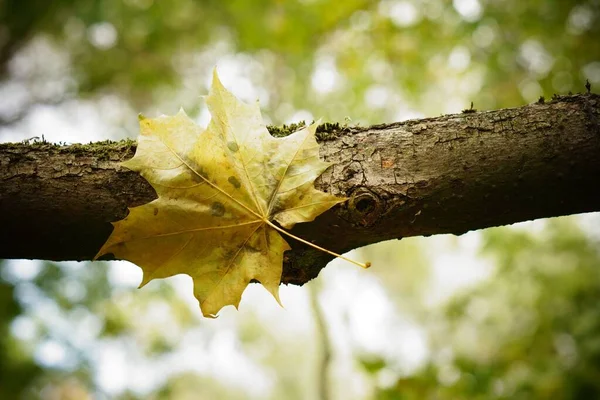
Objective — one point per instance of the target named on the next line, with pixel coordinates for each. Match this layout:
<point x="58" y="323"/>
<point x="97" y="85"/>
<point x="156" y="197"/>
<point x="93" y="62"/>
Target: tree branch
<point x="449" y="174"/>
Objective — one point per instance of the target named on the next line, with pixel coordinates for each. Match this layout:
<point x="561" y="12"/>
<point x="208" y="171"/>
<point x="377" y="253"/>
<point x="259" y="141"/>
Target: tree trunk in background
<point x="449" y="174"/>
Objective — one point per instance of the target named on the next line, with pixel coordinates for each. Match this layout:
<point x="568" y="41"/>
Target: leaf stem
<point x="362" y="265"/>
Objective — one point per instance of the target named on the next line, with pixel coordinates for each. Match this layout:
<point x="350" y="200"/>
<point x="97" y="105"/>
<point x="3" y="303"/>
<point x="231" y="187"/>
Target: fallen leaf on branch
<point x="220" y="192"/>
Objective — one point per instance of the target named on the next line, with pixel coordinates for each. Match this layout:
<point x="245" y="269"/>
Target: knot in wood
<point x="365" y="207"/>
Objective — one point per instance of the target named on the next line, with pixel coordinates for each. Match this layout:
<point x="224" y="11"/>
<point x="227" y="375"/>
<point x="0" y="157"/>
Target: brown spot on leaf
<point x="234" y="181"/>
<point x="217" y="209"/>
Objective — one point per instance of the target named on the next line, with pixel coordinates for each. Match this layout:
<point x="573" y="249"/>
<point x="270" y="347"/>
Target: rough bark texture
<point x="449" y="174"/>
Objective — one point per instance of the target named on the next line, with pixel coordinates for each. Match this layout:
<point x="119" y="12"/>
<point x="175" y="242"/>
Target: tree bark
<point x="449" y="174"/>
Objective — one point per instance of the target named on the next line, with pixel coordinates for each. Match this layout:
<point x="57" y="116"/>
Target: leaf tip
<point x="145" y="280"/>
<point x="105" y="249"/>
<point x="280" y="303"/>
<point x="124" y="164"/>
<point x="277" y="299"/>
<point x="342" y="199"/>
<point x="216" y="82"/>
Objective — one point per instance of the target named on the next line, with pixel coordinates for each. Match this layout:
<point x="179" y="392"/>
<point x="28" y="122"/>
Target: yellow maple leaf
<point x="219" y="191"/>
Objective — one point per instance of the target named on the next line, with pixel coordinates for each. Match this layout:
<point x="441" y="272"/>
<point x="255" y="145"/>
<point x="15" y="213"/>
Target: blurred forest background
<point x="509" y="312"/>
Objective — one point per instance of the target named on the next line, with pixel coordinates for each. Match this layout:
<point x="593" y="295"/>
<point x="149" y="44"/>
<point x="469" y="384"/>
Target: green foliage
<point x="531" y="331"/>
<point x="17" y="369"/>
<point x="427" y="59"/>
